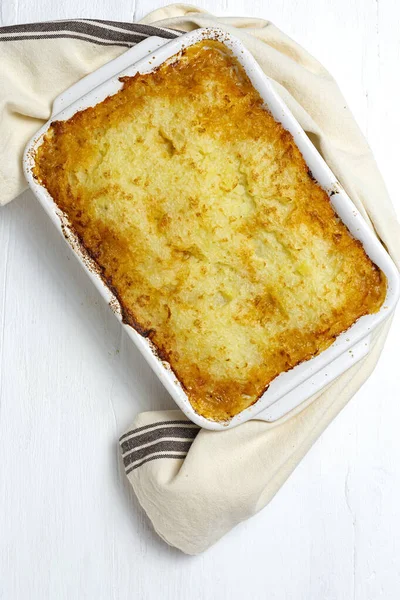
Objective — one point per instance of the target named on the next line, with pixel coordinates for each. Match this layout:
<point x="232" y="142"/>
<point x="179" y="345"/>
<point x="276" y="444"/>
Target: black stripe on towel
<point x="162" y="446"/>
<point x="165" y="439"/>
<point x="156" y="424"/>
<point x="54" y="36"/>
<point x="96" y="32"/>
<point x="158" y="434"/>
<point x="176" y="456"/>
<point x="146" y="29"/>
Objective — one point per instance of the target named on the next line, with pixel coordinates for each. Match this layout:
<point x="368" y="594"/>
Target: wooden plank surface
<point x="70" y="382"/>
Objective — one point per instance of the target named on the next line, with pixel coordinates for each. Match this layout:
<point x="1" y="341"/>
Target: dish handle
<point x="107" y="71"/>
<point x="316" y="383"/>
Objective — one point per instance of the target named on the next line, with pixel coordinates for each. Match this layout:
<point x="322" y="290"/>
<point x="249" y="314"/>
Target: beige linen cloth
<point x="195" y="485"/>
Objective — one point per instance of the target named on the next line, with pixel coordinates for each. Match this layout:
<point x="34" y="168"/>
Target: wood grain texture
<point x="70" y="382"/>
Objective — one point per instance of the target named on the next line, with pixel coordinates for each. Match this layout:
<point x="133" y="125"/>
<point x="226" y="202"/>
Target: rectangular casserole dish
<point x="291" y="388"/>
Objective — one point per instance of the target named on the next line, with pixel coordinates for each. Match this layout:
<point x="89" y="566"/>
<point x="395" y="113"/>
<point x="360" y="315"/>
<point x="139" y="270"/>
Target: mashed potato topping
<point x="202" y="216"/>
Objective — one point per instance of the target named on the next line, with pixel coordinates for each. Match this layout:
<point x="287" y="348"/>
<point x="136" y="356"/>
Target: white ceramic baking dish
<point x="289" y="389"/>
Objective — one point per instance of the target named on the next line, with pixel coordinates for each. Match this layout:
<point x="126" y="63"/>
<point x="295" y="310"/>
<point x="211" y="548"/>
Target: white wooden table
<point x="70" y="383"/>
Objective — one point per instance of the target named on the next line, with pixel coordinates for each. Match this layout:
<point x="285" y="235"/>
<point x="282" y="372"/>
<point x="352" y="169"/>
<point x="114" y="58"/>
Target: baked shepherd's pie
<point x="207" y="225"/>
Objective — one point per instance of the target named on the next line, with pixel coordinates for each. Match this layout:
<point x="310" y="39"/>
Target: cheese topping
<point x="204" y="220"/>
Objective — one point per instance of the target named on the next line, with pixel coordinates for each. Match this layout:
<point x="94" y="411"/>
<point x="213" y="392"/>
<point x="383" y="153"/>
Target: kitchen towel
<point x="195" y="485"/>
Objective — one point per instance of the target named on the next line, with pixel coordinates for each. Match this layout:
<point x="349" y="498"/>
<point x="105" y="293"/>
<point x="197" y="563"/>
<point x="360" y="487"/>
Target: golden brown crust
<point x="203" y="218"/>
